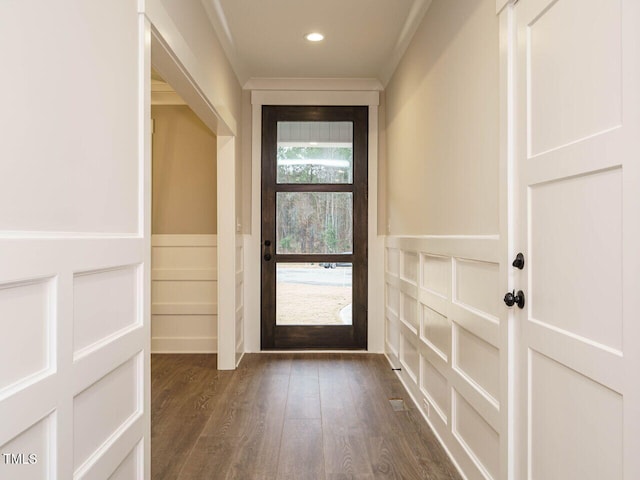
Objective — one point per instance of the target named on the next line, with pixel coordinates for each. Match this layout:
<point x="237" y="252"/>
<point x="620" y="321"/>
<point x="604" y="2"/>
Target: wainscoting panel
<point x="105" y="304"/>
<point x="184" y="294"/>
<point x="443" y="329"/>
<point x="93" y="432"/>
<point x="33" y="446"/>
<point x="130" y="466"/>
<point x="27" y="310"/>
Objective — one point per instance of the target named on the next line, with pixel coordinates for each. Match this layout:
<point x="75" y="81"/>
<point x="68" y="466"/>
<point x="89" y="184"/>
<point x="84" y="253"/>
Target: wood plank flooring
<point x="287" y="416"/>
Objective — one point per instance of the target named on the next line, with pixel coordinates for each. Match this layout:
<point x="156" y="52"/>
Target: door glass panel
<point x="313" y="293"/>
<point x="314" y="222"/>
<point x="315" y="152"/>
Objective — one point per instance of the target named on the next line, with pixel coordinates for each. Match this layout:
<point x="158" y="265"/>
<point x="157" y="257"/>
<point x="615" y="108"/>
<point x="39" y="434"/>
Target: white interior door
<point x="577" y="190"/>
<point x="74" y="240"/>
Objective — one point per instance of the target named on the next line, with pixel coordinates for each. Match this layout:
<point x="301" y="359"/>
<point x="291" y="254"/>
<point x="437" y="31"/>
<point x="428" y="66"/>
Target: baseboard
<point x="424" y="416"/>
<point x="184" y="345"/>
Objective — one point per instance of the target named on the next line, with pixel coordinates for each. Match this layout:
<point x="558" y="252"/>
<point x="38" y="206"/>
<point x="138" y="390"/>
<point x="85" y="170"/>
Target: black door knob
<point x="267" y="256"/>
<point x="519" y="261"/>
<point x="513" y="298"/>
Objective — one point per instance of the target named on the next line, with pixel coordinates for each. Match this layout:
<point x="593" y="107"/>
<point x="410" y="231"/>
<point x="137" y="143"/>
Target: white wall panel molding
<point x="443" y="327"/>
<point x="20" y="409"/>
<point x="45" y="267"/>
<point x="167" y="308"/>
<point x="185" y="344"/>
<point x="119" y="413"/>
<point x="435" y="331"/>
<point x="182" y="240"/>
<point x="184" y="274"/>
<point x="99" y="363"/>
<point x="471" y="247"/>
<point x="478" y="439"/>
<point x="123" y="461"/>
<point x="37" y="439"/>
<point x="184" y="293"/>
<point x="28" y="310"/>
<point x="435" y="388"/>
<point x="106" y="304"/>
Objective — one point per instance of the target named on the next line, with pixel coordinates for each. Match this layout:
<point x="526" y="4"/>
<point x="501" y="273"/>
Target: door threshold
<point x="312" y="351"/>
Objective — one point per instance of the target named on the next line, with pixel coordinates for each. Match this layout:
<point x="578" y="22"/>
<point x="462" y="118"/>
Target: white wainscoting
<point x="184" y="302"/>
<point x="443" y="329"/>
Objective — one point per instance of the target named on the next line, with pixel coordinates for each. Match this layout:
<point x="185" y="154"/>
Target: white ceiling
<point x="363" y="38"/>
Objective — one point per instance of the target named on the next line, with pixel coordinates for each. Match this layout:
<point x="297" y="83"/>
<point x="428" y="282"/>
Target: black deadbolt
<point x="267" y="256"/>
<point x="519" y="261"/>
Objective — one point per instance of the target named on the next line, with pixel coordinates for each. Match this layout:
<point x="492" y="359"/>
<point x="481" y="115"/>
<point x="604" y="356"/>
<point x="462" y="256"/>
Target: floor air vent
<point x="397" y="404"/>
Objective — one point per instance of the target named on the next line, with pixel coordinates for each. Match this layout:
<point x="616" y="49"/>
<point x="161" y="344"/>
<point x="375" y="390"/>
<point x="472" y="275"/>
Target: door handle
<point x="267" y="256"/>
<point x="513" y="298"/>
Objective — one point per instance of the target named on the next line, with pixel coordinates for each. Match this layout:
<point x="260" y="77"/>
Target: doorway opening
<point x="183" y="226"/>
<point x="314" y="227"/>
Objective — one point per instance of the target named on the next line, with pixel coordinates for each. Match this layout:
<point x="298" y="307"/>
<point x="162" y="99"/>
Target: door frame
<point x="166" y="50"/>
<point x="309" y="92"/>
<point x="508" y="210"/>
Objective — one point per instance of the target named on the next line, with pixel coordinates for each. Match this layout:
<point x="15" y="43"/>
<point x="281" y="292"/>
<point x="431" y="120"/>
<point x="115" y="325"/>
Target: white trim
<point x="145" y="150"/>
<point x="375" y="263"/>
<point x="314" y="84"/>
<point x="174" y="60"/>
<point x="226" y="253"/>
<point x="171" y="69"/>
<point x="177" y="240"/>
<point x="375" y="242"/>
<point x="184" y="344"/>
<point x="507" y="41"/>
<point x="414" y="19"/>
<point x="184" y="274"/>
<point x="315" y="97"/>
<point x="252" y="265"/>
<point x="184" y="309"/>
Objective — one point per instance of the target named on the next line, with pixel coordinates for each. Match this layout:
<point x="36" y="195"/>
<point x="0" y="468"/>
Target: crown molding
<point x="314" y="84"/>
<point x="411" y="24"/>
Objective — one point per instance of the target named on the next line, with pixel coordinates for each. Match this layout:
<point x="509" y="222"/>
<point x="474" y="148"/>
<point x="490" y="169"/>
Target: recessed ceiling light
<point x="314" y="37"/>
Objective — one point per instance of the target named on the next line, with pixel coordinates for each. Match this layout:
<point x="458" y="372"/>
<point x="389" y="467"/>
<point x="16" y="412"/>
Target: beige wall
<point x="184" y="173"/>
<point x="442" y="124"/>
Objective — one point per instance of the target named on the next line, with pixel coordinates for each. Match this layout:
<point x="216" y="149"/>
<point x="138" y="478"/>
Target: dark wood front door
<point x="314" y="227"/>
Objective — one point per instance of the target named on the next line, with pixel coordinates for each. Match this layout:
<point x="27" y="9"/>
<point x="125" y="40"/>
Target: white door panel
<point x="576" y="74"/>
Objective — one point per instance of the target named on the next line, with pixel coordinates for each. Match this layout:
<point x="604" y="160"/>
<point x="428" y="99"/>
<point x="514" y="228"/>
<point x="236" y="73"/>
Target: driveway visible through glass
<point x="313" y="294"/>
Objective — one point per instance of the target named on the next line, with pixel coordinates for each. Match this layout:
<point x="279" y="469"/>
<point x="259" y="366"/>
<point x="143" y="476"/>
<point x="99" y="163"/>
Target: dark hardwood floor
<point x="287" y="416"/>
